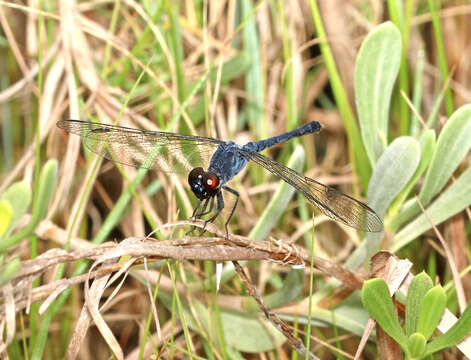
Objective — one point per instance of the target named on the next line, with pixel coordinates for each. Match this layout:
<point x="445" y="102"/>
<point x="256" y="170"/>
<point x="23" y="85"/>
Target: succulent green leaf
<point x="455" y="334"/>
<point x="5" y="216"/>
<point x="427" y="149"/>
<point x="376" y="70"/>
<point x="453" y="144"/>
<point x="19" y="197"/>
<point x="454" y="199"/>
<point x="416" y="345"/>
<point x="431" y="311"/>
<point x="377" y="301"/>
<point x="393" y="171"/>
<point x="47" y="185"/>
<point x="415" y="296"/>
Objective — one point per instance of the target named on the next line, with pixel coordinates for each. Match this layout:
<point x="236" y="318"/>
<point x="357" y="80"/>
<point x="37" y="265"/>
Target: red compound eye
<point x="210" y="181"/>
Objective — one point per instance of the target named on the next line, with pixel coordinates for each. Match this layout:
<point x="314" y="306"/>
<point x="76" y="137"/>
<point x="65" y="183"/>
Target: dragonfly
<point x="211" y="163"/>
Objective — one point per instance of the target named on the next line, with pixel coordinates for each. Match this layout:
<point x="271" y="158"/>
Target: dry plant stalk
<point x="106" y="269"/>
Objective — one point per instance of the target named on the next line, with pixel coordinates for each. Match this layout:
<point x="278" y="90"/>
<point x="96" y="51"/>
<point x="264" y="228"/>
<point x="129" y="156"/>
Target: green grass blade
<point x="441" y="55"/>
<point x="253" y="78"/>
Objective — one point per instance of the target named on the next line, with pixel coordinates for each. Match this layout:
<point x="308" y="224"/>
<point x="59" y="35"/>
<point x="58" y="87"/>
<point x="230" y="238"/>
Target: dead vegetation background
<point x="99" y="60"/>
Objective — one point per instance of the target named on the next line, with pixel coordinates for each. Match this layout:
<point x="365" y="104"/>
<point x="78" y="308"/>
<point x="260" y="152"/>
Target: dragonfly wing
<point x="162" y="151"/>
<point x="328" y="200"/>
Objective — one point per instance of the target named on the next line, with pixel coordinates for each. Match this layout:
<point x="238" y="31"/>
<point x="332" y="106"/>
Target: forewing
<point x="162" y="151"/>
<point x="328" y="200"/>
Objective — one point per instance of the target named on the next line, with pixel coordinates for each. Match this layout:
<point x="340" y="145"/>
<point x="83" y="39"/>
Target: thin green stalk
<point x="111" y="30"/>
<point x="254" y="77"/>
<point x="176" y="47"/>
<point x="403" y="24"/>
<point x="34" y="314"/>
<point x="149" y="317"/>
<point x="172" y="273"/>
<point x="441" y="55"/>
<point x="311" y="290"/>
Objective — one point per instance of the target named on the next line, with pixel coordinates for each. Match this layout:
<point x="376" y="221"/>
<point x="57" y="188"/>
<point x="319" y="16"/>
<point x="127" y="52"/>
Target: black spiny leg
<point x="195" y="216"/>
<point x="211" y="205"/>
<point x="204" y="212"/>
<point x="232" y="191"/>
<point x="220" y="202"/>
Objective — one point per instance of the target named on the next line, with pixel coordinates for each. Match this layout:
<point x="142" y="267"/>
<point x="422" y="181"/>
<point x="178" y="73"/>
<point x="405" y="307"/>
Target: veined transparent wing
<point x="328" y="200"/>
<point x="162" y="151"/>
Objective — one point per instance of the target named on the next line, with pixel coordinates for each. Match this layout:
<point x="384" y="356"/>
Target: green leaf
<point x="377" y="300"/>
<point x="10" y="270"/>
<point x="456" y="333"/>
<point x="395" y="167"/>
<point x="416" y="345"/>
<point x="249" y="334"/>
<point x="292" y="287"/>
<point x="5" y="216"/>
<point x="244" y="332"/>
<point x="19" y="197"/>
<point x="431" y="312"/>
<point x="415" y="296"/>
<point x="376" y="70"/>
<point x="427" y="149"/>
<point x="47" y="186"/>
<point x="454" y="199"/>
<point x="453" y="144"/>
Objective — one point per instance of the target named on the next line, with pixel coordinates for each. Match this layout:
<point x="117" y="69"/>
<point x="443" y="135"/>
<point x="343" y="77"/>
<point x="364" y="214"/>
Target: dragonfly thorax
<point x="204" y="184"/>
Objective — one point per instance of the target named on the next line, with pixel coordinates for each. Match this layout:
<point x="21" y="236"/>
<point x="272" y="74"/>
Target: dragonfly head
<point x="204" y="184"/>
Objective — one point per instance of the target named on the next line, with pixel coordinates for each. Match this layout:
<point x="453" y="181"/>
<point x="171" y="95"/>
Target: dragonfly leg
<point x="236" y="194"/>
<point x="211" y="205"/>
<point x="220" y="202"/>
<point x="195" y="214"/>
<point x="203" y="212"/>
